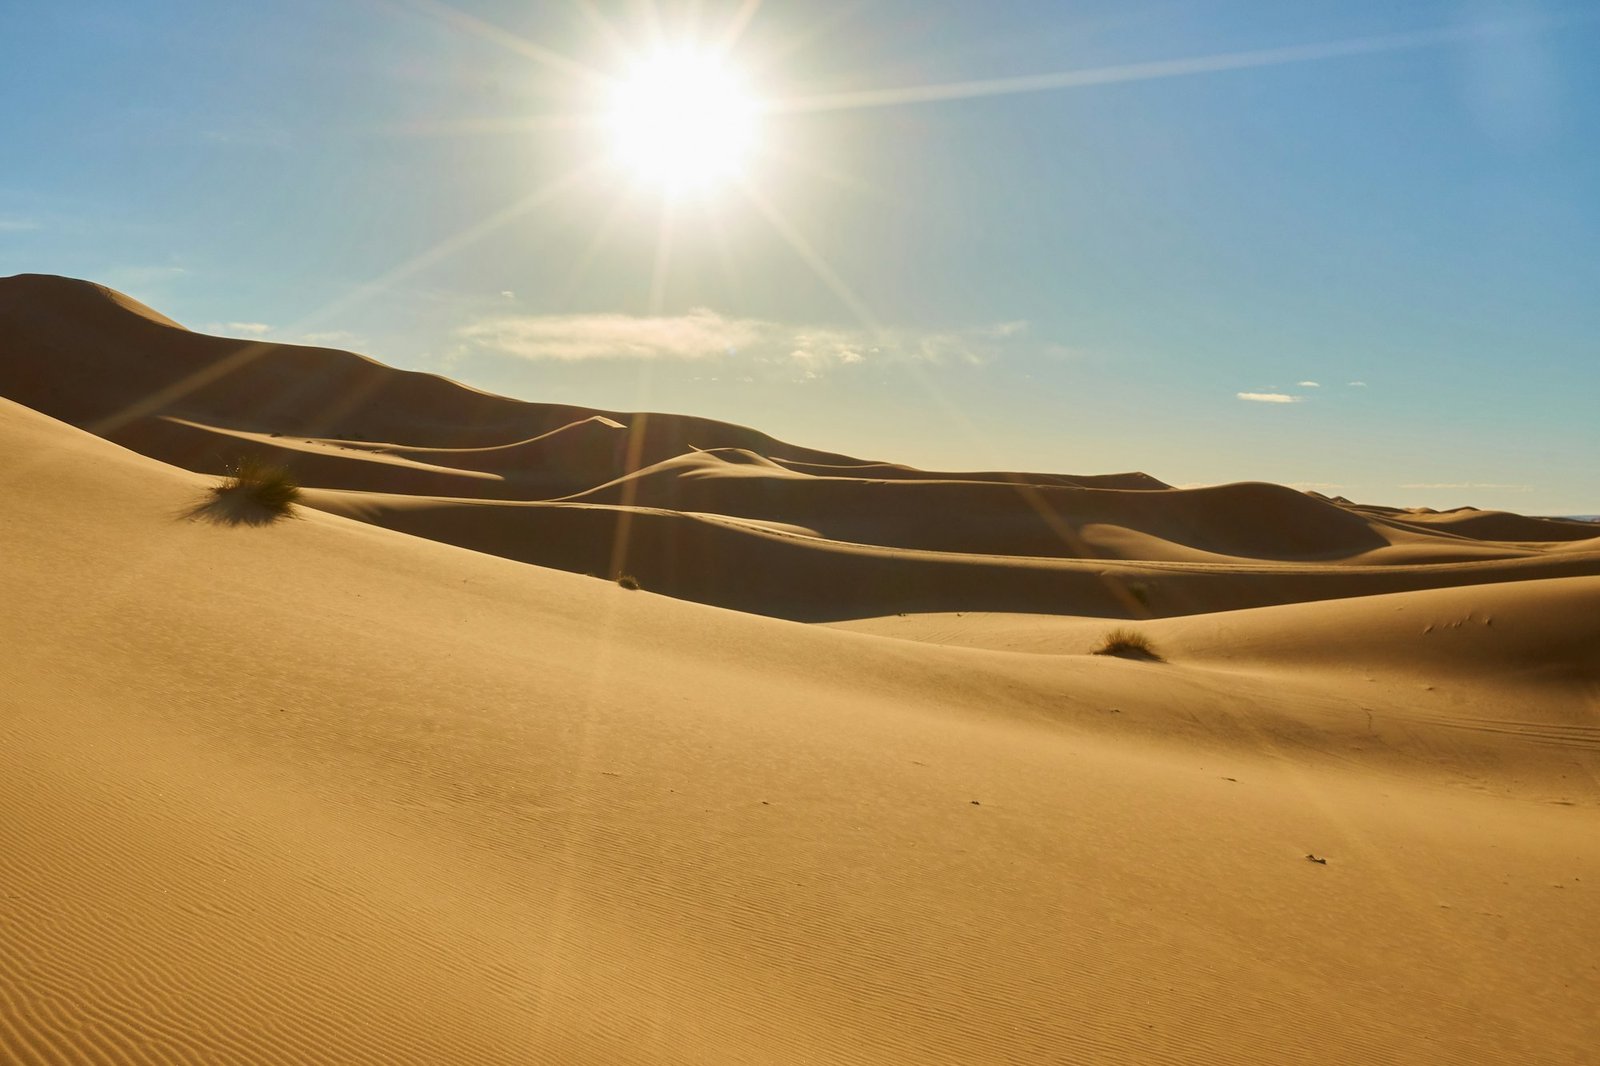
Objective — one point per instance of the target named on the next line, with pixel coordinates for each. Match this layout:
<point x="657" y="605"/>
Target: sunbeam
<point x="471" y="24"/>
<point x="244" y="356"/>
<point x="1130" y="72"/>
<point x="819" y="266"/>
<point x="1029" y="493"/>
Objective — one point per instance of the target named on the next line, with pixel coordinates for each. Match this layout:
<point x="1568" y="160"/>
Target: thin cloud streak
<point x="705" y="334"/>
<point x="236" y="329"/>
<point x="1469" y="485"/>
<point x="1269" y="397"/>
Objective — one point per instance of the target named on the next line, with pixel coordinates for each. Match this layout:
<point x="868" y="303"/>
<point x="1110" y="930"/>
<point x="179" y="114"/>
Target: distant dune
<point x="379" y="783"/>
<point x="719" y="513"/>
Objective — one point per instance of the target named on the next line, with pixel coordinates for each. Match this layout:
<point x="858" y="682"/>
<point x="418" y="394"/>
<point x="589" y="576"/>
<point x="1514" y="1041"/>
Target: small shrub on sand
<point x="628" y="581"/>
<point x="253" y="484"/>
<point x="1127" y="644"/>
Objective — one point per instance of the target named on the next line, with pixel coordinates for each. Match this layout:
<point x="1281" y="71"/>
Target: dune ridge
<point x="607" y="492"/>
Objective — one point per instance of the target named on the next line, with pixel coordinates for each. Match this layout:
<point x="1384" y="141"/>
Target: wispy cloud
<point x="333" y="338"/>
<point x="237" y="329"/>
<point x="1309" y="384"/>
<point x="18" y="224"/>
<point x="1358" y="384"/>
<point x="1269" y="397"/>
<point x="1470" y="485"/>
<point x="706" y="334"/>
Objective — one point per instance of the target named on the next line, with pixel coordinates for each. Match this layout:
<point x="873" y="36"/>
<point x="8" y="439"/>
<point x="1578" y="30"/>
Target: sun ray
<point x="737" y="25"/>
<point x="658" y="272"/>
<point x="833" y="175"/>
<point x="1029" y="493"/>
<point x="1130" y="72"/>
<point x="717" y="227"/>
<point x="608" y="225"/>
<point x="604" y="27"/>
<point x="809" y="256"/>
<point x="488" y="126"/>
<point x="248" y="354"/>
<point x="547" y="192"/>
<point x="488" y="31"/>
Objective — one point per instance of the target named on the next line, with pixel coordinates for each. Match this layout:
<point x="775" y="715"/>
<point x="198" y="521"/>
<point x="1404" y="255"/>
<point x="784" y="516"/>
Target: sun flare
<point x="682" y="119"/>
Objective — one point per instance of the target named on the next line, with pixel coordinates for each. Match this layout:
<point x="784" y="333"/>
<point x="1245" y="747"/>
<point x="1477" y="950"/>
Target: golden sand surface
<point x="393" y="781"/>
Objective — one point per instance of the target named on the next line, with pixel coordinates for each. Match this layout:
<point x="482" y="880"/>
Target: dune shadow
<point x="234" y="507"/>
<point x="1141" y="655"/>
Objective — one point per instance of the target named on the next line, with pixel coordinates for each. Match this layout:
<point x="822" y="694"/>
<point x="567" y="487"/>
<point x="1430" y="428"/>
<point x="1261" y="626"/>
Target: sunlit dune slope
<point x="318" y="792"/>
<point x="1530" y="636"/>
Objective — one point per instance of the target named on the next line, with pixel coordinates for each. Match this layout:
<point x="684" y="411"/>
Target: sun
<point x="682" y="119"/>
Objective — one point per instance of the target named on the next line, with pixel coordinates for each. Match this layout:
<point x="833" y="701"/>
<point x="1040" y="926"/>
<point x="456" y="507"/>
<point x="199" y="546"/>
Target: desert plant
<point x="1127" y="644"/>
<point x="254" y="482"/>
<point x="628" y="581"/>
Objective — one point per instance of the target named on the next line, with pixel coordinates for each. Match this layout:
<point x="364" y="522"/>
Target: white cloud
<point x="17" y="224"/>
<point x="1309" y="384"/>
<point x="706" y="334"/>
<point x="1358" y="384"/>
<point x="237" y="329"/>
<point x="1269" y="397"/>
<point x="333" y="338"/>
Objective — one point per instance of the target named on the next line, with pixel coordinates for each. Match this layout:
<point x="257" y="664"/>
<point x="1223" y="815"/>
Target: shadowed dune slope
<point x="1246" y="521"/>
<point x="96" y="359"/>
<point x="897" y="472"/>
<point x="790" y="572"/>
<point x="318" y="792"/>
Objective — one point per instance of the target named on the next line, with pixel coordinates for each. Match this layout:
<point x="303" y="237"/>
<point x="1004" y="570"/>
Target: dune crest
<point x="691" y="506"/>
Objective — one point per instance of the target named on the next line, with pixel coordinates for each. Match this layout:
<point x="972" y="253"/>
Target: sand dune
<point x="323" y="791"/>
<point x="341" y="421"/>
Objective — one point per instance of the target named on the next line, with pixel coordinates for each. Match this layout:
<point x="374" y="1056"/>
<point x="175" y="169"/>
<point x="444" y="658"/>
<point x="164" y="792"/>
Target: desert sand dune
<point x="896" y="471"/>
<point x="795" y="572"/>
<point x="344" y="422"/>
<point x="79" y="352"/>
<point x="1246" y="521"/>
<point x="320" y="792"/>
<point x="1492" y="525"/>
<point x="362" y="785"/>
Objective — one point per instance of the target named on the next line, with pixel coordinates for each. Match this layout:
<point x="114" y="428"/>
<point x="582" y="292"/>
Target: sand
<point x="384" y="783"/>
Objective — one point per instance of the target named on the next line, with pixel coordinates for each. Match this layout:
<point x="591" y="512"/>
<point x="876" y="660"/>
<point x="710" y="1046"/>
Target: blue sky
<point x="1087" y="278"/>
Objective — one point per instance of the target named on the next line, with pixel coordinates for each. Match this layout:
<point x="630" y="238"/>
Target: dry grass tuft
<point x="253" y="493"/>
<point x="1128" y="644"/>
